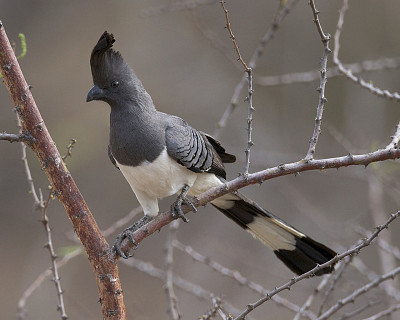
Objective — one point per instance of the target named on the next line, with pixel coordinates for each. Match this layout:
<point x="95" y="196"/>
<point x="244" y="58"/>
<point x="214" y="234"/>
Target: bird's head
<point x="114" y="81"/>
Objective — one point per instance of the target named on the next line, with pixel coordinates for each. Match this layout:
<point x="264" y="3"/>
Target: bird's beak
<point x="95" y="94"/>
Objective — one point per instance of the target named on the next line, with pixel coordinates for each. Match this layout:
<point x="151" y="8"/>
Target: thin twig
<point x="355" y="250"/>
<point x="306" y="306"/>
<point x="228" y="27"/>
<point x="73" y="254"/>
<point x="309" y="76"/>
<point x="389" y="248"/>
<point x="40" y="279"/>
<point x="36" y="202"/>
<point x="12" y="137"/>
<point x="174" y="6"/>
<point x="389" y="289"/>
<point x="360" y="291"/>
<point x="285" y="169"/>
<point x="321" y="89"/>
<point x="376" y="203"/>
<point x="384" y="313"/>
<point x="214" y="310"/>
<point x="395" y="138"/>
<point x="238" y="277"/>
<point x="173" y="307"/>
<point x="282" y="11"/>
<point x="249" y="97"/>
<point x="250" y="111"/>
<point x="212" y="37"/>
<point x="179" y="282"/>
<point x="348" y="72"/>
<point x="49" y="245"/>
<point x="53" y="258"/>
<point x="359" y="310"/>
<point x="43" y="205"/>
<point x="333" y="281"/>
<point x="68" y="153"/>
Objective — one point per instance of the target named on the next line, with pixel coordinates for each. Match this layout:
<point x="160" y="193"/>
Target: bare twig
<point x="249" y="97"/>
<point x="228" y="27"/>
<point x="43" y="205"/>
<point x="179" y="282"/>
<point x="395" y="138"/>
<point x="356" y="249"/>
<point x="321" y="89"/>
<point x="376" y="204"/>
<point x="384" y="313"/>
<point x="73" y="254"/>
<point x="309" y="76"/>
<point x="389" y="248"/>
<point x="214" y="310"/>
<point x="53" y="258"/>
<point x="306" y="306"/>
<point x="117" y="225"/>
<point x="285" y="169"/>
<point x="348" y="72"/>
<point x="350" y="298"/>
<point x="169" y="286"/>
<point x="282" y="11"/>
<point x="12" y="137"/>
<point x="36" y="201"/>
<point x="174" y="6"/>
<point x="358" y="311"/>
<point x="68" y="153"/>
<point x="250" y="111"/>
<point x="40" y="279"/>
<point x="342" y="266"/>
<point x="389" y="289"/>
<point x="212" y="37"/>
<point x="238" y="277"/>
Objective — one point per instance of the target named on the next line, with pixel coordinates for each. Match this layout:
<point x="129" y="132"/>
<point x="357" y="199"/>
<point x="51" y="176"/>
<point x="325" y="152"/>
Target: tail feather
<point x="297" y="251"/>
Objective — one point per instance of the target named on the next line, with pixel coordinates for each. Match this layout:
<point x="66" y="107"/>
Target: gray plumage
<point x="161" y="155"/>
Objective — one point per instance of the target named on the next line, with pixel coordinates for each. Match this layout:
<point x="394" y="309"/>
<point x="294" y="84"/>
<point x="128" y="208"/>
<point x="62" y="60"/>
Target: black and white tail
<point x="297" y="251"/>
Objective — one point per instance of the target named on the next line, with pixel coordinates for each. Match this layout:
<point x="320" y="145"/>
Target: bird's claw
<point x="118" y="241"/>
<point x="176" y="208"/>
<point x="128" y="234"/>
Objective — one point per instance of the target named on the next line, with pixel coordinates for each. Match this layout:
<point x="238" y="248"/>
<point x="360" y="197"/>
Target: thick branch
<point x="65" y="189"/>
<point x="258" y="177"/>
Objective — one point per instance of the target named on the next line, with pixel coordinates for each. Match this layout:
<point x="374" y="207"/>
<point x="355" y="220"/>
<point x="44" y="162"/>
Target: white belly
<point x="162" y="178"/>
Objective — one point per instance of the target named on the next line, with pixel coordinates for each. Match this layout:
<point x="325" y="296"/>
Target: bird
<point x="161" y="155"/>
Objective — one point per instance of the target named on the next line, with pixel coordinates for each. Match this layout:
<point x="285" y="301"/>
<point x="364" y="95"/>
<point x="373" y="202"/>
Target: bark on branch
<point x="390" y="152"/>
<point x="97" y="248"/>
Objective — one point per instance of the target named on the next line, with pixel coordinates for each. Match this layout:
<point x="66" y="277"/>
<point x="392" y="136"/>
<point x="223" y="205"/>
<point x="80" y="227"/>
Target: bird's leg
<point x="127" y="233"/>
<point x="176" y="208"/>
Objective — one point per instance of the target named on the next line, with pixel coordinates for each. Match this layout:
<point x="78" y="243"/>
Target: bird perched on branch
<point x="161" y="155"/>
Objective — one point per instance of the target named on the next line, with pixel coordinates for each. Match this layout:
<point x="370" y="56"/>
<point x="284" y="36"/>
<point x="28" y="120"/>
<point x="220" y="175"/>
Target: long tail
<point x="297" y="251"/>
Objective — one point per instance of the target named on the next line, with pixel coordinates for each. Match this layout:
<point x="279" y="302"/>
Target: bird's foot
<point x="176" y="208"/>
<point x="127" y="233"/>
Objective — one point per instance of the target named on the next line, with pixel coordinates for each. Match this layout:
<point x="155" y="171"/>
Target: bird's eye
<point x="114" y="84"/>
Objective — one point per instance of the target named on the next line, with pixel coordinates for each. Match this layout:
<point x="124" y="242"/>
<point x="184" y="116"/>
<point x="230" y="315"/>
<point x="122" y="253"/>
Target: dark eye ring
<point x="114" y="84"/>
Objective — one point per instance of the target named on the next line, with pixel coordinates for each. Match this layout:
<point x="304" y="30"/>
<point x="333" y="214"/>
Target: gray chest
<point x="133" y="141"/>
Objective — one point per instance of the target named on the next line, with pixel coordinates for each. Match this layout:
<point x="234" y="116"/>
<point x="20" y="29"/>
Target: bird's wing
<point x="192" y="149"/>
<point x="110" y="155"/>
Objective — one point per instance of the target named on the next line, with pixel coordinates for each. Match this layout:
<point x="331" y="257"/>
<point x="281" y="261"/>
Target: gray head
<point x="114" y="81"/>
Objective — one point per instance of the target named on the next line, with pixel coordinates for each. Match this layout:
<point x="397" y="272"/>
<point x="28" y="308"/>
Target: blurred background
<point x="183" y="55"/>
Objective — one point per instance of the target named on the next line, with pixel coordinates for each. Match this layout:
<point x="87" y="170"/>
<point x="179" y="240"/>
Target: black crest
<point x="105" y="62"/>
